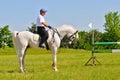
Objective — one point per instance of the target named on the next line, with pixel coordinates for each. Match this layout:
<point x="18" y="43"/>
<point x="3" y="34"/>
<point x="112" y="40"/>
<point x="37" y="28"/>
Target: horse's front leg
<point x="54" y="56"/>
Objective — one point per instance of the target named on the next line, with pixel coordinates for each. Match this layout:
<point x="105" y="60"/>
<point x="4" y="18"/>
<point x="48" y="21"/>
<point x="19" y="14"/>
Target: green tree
<point x="5" y="37"/>
<point x="33" y="28"/>
<point x="112" y="28"/>
<point x="76" y="44"/>
<point x="82" y="37"/>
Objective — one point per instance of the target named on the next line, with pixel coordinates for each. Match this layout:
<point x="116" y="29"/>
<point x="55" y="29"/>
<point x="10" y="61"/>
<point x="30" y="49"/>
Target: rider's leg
<point x="44" y="37"/>
<point x="42" y="32"/>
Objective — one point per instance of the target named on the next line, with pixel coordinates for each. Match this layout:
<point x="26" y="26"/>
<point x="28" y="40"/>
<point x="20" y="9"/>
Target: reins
<point x="69" y="38"/>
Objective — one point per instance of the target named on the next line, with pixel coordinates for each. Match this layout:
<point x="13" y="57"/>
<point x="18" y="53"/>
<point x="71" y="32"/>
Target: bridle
<point x="70" y="38"/>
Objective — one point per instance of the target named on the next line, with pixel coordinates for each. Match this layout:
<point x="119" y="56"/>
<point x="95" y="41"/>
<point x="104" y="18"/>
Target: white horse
<point x="24" y="39"/>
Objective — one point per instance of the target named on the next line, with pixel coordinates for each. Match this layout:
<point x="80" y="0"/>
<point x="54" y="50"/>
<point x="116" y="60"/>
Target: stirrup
<point x="41" y="46"/>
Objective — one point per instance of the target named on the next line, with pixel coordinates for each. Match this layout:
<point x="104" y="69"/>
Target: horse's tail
<point x="14" y="34"/>
<point x="14" y="38"/>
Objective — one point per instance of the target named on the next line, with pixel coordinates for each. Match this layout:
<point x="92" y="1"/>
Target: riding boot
<point x="47" y="47"/>
<point x="41" y="43"/>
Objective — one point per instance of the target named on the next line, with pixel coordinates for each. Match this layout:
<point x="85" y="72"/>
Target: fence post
<point x="93" y="58"/>
<point x="92" y="43"/>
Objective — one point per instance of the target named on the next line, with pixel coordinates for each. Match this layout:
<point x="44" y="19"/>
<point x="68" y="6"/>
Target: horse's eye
<point x="73" y="37"/>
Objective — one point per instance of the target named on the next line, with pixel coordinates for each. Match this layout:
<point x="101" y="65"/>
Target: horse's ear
<point x="77" y="36"/>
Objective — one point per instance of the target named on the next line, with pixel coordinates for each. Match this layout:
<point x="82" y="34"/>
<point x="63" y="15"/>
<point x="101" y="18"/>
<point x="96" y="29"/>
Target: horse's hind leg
<point x="21" y="57"/>
<point x="24" y="58"/>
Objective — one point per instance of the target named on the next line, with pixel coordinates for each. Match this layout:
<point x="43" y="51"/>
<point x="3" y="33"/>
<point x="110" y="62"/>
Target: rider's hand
<point x="49" y="27"/>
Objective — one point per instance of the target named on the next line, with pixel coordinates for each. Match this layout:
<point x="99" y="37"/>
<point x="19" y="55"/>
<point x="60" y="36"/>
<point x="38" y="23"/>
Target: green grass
<point x="70" y="64"/>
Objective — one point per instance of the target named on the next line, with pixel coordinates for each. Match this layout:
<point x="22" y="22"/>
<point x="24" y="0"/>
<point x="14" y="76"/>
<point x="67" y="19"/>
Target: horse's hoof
<point x="55" y="69"/>
<point x="21" y="71"/>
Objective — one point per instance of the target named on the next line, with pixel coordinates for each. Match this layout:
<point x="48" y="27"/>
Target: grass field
<point x="70" y="64"/>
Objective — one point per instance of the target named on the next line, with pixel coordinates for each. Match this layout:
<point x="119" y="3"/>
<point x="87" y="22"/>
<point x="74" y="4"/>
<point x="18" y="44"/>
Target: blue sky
<point x="19" y="14"/>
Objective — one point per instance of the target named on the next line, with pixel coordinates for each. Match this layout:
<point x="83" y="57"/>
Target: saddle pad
<point x="35" y="37"/>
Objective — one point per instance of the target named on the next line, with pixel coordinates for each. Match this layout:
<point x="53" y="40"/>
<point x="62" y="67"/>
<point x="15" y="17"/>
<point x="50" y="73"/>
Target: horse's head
<point x="72" y="36"/>
<point x="69" y="32"/>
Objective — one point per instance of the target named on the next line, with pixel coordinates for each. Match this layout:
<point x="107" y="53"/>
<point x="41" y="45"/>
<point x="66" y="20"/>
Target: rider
<point x="41" y="24"/>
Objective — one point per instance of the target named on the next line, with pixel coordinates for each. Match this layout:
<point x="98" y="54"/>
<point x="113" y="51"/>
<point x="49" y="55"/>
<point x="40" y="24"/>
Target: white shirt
<point x="39" y="20"/>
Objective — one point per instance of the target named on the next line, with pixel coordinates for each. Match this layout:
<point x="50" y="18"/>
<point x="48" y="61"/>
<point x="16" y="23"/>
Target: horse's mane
<point x="65" y="27"/>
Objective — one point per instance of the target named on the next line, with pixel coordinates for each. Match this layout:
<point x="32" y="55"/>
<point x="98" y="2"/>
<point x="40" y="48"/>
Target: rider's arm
<point x="45" y="24"/>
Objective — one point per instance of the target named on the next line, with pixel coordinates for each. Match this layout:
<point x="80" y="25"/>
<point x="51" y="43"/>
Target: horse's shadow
<point x="9" y="71"/>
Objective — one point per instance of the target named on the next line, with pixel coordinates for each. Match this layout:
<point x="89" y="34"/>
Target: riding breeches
<point x="43" y="34"/>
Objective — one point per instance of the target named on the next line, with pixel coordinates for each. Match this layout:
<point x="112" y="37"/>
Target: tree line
<point x="111" y="34"/>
